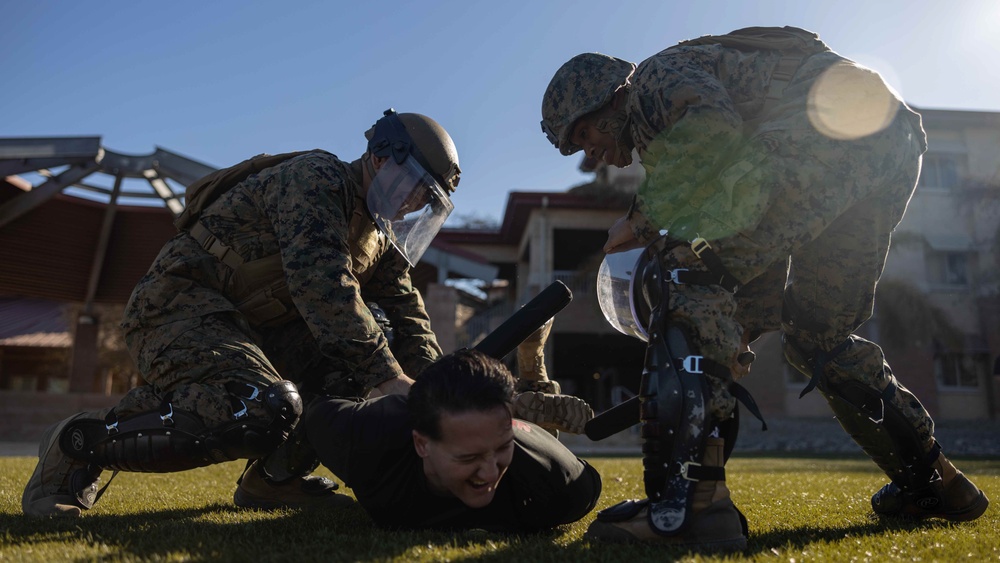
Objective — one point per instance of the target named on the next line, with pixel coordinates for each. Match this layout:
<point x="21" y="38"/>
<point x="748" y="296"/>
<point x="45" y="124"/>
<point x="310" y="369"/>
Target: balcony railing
<point x="482" y="323"/>
<point x="579" y="282"/>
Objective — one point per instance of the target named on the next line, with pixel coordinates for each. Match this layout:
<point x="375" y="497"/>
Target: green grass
<point x="799" y="509"/>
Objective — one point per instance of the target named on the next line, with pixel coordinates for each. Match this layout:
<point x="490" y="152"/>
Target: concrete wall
<point x="24" y="415"/>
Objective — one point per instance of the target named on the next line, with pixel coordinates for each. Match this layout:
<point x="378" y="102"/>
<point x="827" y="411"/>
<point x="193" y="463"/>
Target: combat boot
<point x="947" y="493"/>
<point x="715" y="524"/>
<point x="259" y="491"/>
<point x="553" y="411"/>
<point x="61" y="485"/>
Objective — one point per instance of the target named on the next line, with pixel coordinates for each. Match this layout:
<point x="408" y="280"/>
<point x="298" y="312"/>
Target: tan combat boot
<point x="715" y="524"/>
<point x="257" y="491"/>
<point x="61" y="485"/>
<point x="553" y="412"/>
<point x="949" y="494"/>
<point x="539" y="399"/>
<point x="531" y="360"/>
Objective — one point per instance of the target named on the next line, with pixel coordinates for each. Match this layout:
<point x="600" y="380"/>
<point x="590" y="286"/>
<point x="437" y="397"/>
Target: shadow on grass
<point x="222" y="532"/>
<point x="213" y="532"/>
<point x="759" y="544"/>
<point x="801" y="537"/>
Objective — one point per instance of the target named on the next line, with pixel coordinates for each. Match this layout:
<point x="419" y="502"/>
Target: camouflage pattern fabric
<point x="186" y="335"/>
<point x="582" y="85"/>
<point x="194" y="368"/>
<point x="778" y="197"/>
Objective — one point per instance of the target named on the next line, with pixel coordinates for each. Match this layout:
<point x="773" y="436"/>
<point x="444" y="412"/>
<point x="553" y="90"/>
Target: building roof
<point x="952" y="118"/>
<point x="519" y="208"/>
<point x="33" y="323"/>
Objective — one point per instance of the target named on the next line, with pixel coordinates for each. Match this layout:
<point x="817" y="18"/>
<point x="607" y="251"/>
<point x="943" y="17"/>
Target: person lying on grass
<point x="450" y="455"/>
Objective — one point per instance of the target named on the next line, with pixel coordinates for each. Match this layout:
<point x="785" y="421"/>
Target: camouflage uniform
<point x="189" y="339"/>
<point x="763" y="184"/>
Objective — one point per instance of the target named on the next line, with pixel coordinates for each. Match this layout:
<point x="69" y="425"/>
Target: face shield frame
<point x="408" y="205"/>
<point x="620" y="292"/>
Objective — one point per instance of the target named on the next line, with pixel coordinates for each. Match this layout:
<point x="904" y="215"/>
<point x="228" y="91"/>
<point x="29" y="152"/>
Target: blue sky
<point x="220" y="81"/>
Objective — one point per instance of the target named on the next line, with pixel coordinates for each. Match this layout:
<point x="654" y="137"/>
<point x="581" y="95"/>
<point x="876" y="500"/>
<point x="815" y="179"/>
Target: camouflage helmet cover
<point x="583" y="84"/>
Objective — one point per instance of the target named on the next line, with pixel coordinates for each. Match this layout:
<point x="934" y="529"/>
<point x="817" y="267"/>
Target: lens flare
<point x="849" y="101"/>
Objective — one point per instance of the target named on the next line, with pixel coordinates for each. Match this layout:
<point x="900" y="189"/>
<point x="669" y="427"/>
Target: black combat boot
<point x="940" y="491"/>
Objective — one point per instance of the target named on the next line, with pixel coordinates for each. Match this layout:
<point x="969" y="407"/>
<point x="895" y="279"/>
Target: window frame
<point x="931" y="171"/>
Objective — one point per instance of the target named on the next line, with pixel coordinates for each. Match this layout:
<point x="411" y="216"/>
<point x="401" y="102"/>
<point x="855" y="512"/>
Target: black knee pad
<point x="673" y="395"/>
<point x="295" y="457"/>
<point x="284" y="403"/>
<point x="171" y="440"/>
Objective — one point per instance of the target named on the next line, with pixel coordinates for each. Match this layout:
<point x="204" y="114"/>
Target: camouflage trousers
<point x="816" y="254"/>
<point x="194" y="362"/>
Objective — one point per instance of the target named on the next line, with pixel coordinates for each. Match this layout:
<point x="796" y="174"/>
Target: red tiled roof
<point x="33" y="322"/>
<point x="445" y="246"/>
<point x="519" y="207"/>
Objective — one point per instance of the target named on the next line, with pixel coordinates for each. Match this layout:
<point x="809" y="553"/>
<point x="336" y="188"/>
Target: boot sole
<point x="969" y="514"/>
<point x="600" y="531"/>
<point x="553" y="412"/>
<point x="245" y="499"/>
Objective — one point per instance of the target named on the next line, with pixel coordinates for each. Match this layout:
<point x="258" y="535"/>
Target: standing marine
<point x="776" y="170"/>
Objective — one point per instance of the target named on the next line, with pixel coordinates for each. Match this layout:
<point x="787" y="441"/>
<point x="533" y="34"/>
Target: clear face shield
<point x="408" y="206"/>
<point x="619" y="292"/>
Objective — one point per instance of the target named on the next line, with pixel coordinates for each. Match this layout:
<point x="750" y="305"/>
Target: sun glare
<point x="850" y="102"/>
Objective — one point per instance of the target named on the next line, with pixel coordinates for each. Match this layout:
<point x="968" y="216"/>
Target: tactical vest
<point x="257" y="287"/>
<point x="794" y="44"/>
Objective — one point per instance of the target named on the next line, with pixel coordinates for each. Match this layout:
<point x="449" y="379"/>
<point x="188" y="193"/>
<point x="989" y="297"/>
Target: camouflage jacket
<point x="687" y="107"/>
<point x="309" y="209"/>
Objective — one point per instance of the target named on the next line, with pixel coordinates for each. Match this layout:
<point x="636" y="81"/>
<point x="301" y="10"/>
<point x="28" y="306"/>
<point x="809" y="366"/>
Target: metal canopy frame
<point x="83" y="157"/>
<point x="79" y="158"/>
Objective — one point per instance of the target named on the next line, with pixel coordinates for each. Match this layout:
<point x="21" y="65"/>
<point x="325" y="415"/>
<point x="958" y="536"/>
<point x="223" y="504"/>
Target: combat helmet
<point x="408" y="198"/>
<point x="582" y="85"/>
<point x="402" y="134"/>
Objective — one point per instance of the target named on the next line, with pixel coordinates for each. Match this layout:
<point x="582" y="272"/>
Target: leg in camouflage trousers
<point x="838" y="204"/>
<point x="211" y="396"/>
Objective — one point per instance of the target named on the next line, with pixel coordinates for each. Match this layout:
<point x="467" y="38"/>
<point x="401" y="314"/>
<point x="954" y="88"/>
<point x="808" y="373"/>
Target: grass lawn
<point x="799" y="509"/>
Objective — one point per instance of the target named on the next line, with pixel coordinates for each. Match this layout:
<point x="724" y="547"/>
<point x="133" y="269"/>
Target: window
<point x="959" y="370"/>
<point x="956" y="268"/>
<point x="22" y="383"/>
<point x="948" y="269"/>
<point x="939" y="171"/>
<point x="58" y="385"/>
<point x="576" y="249"/>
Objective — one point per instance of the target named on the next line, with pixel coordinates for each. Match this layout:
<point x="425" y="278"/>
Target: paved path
<point x="18" y="449"/>
<point x="977" y="438"/>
